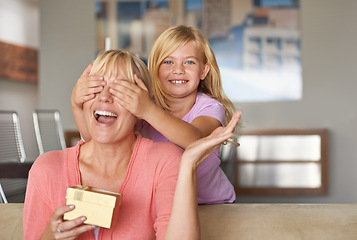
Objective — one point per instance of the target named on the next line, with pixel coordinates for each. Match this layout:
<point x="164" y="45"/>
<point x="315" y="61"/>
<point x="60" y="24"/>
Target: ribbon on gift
<point x="78" y="195"/>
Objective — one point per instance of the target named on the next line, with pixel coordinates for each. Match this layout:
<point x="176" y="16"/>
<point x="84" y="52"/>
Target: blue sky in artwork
<point x="277" y="3"/>
<point x="192" y="5"/>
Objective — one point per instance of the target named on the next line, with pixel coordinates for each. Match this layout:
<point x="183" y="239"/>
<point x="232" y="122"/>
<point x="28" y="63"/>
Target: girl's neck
<point x="179" y="107"/>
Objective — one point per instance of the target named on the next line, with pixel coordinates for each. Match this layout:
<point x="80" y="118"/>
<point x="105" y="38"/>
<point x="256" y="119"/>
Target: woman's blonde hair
<point x="111" y="61"/>
<point x="167" y="43"/>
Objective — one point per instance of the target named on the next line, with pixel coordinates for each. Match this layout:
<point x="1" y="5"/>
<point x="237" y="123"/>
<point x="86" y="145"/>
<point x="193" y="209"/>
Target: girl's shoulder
<point x="206" y="103"/>
<point x="203" y="98"/>
<point x="205" y="106"/>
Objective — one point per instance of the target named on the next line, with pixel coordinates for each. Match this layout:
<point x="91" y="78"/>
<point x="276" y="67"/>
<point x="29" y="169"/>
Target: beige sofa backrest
<point x="278" y="221"/>
<point x="244" y="221"/>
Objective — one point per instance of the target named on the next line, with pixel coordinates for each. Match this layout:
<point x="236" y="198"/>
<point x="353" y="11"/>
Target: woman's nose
<point x="105" y="95"/>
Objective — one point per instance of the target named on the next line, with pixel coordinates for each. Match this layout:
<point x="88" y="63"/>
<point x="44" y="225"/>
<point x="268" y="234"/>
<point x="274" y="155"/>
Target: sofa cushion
<point x="11" y="221"/>
<point x="278" y="221"/>
<point x="244" y="221"/>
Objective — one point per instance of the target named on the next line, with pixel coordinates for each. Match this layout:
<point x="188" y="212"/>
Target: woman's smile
<point x="105" y="116"/>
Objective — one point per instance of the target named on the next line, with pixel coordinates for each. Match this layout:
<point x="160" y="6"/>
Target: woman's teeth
<point x="105" y="113"/>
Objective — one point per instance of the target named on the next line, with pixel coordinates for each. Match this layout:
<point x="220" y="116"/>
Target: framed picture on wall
<point x="18" y="63"/>
<point x="256" y="42"/>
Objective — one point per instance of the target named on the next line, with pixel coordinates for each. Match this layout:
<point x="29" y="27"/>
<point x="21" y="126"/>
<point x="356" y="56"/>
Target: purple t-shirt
<point x="213" y="185"/>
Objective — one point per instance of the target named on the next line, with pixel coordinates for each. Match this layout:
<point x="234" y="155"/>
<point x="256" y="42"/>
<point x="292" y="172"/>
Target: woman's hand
<point x="200" y="149"/>
<point x="86" y="88"/>
<point x="133" y="97"/>
<point x="57" y="228"/>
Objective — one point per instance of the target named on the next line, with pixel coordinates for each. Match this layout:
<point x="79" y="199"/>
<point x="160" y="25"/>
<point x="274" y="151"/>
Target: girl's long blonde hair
<point x="108" y="62"/>
<point x="167" y="43"/>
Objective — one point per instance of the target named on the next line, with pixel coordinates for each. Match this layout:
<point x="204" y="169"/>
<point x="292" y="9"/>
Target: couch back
<point x="278" y="221"/>
<point x="244" y="221"/>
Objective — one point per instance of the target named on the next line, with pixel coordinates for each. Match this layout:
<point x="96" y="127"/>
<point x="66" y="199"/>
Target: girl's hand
<point x="133" y="97"/>
<point x="200" y="149"/>
<point x="86" y="88"/>
<point x="60" y="229"/>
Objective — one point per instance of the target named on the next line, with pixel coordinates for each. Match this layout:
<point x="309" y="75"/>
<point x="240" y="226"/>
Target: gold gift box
<point x="99" y="206"/>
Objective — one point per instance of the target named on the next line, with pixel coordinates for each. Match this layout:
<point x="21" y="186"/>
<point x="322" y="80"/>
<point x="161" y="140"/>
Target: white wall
<point x="67" y="47"/>
<point x="329" y="60"/>
<point x="19" y="22"/>
<point x="329" y="40"/>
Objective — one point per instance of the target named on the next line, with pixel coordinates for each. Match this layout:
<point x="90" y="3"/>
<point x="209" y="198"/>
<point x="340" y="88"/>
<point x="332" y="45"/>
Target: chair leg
<point x="2" y="195"/>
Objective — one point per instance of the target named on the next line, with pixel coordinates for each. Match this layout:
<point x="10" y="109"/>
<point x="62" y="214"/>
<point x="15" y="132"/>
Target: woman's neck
<point x="105" y="163"/>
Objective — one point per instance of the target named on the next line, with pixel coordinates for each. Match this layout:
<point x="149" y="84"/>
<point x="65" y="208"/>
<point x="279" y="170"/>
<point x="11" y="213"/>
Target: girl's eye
<point x="167" y="62"/>
<point x="190" y="62"/>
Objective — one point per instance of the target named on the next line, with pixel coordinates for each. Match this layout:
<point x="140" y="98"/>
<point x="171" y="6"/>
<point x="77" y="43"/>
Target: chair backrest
<point x="3" y="198"/>
<point x="49" y="131"/>
<point x="11" y="150"/>
<point x="228" y="159"/>
<point x="11" y="144"/>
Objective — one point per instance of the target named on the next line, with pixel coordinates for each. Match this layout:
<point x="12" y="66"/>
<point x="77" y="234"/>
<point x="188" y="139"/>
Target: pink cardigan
<point x="147" y="190"/>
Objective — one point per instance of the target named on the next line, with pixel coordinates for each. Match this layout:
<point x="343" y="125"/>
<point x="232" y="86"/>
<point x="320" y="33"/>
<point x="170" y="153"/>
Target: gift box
<point x="99" y="206"/>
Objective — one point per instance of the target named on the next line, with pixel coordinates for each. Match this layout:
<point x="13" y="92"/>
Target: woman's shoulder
<point x="160" y="147"/>
<point x="53" y="161"/>
<point x="164" y="152"/>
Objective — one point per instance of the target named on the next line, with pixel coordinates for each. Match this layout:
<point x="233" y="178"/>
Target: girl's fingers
<point x="200" y="149"/>
<point x="140" y="83"/>
<point x="86" y="71"/>
<point x="124" y="86"/>
<point x="91" y="81"/>
<point x="234" y="121"/>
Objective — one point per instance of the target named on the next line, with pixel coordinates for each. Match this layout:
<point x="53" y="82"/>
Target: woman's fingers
<point x="67" y="229"/>
<point x="72" y="228"/>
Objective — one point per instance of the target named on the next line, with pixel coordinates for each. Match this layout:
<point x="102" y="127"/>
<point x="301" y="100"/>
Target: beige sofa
<point x="245" y="221"/>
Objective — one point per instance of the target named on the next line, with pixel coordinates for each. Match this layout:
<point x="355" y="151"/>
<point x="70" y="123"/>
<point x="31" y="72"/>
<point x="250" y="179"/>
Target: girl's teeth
<point x="179" y="81"/>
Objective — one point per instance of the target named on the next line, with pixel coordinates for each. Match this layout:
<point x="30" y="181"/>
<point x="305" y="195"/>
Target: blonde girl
<point x="174" y="38"/>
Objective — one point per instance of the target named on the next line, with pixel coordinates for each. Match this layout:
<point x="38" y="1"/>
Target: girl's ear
<point x="206" y="69"/>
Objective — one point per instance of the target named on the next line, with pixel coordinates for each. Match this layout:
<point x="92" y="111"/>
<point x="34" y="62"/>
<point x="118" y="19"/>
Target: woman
<point x="117" y="159"/>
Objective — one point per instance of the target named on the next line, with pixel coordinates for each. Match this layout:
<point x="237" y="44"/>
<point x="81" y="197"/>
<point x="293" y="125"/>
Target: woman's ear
<point x="205" y="71"/>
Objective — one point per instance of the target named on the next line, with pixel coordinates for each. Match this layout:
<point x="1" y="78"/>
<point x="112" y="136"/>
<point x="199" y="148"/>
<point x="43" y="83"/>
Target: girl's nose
<point x="178" y="69"/>
<point x="105" y="95"/>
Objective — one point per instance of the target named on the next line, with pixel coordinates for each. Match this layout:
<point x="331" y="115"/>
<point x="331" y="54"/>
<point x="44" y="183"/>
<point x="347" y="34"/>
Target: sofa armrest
<point x="11" y="221"/>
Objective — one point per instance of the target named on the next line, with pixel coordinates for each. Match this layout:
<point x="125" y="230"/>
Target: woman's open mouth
<point x="104" y="116"/>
